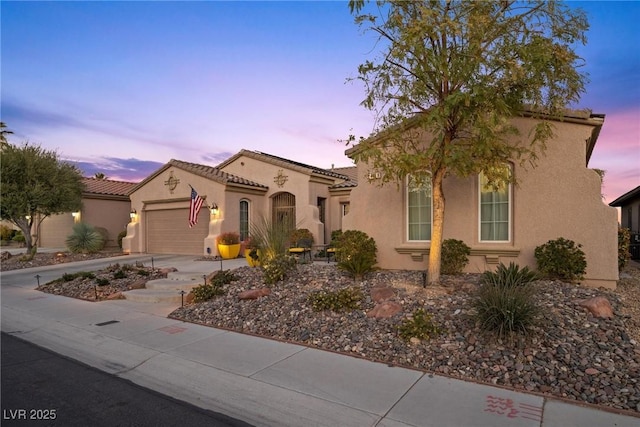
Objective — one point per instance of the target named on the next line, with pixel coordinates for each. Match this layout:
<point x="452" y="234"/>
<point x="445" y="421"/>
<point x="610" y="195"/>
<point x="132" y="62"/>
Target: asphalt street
<point x="42" y="388"/>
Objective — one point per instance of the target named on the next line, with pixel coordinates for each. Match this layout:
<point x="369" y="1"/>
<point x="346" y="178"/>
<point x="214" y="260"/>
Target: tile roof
<point x="350" y="171"/>
<point x="214" y="173"/>
<point x="107" y="187"/>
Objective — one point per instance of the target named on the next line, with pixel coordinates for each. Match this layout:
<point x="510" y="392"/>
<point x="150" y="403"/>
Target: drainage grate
<point x="107" y="323"/>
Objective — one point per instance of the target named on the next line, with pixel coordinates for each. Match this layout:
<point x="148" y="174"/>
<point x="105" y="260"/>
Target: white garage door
<point x="168" y="232"/>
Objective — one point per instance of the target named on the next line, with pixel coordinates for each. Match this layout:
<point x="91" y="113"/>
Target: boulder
<point x="5" y="255"/>
<point x="115" y="295"/>
<point x="384" y="310"/>
<point x="165" y="271"/>
<point x="139" y="284"/>
<point x="382" y="293"/>
<point x="254" y="293"/>
<point x="598" y="306"/>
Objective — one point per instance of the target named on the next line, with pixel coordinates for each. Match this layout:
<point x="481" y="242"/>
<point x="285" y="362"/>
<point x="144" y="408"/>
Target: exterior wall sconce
<point x="76" y="216"/>
<point x="27" y="217"/>
<point x="214" y="209"/>
<point x="133" y="214"/>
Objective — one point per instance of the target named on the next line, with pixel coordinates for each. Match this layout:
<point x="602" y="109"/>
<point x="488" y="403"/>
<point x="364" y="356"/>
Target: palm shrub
<point x="84" y="239"/>
<point x="356" y="253"/>
<point x="509" y="276"/>
<point x="561" y="259"/>
<point x="455" y="256"/>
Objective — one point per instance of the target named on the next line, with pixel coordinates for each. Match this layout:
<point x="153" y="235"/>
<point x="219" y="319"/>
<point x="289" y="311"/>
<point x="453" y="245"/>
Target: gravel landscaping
<point x="570" y="354"/>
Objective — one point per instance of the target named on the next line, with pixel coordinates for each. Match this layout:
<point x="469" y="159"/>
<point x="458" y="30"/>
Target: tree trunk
<point x="438" y="227"/>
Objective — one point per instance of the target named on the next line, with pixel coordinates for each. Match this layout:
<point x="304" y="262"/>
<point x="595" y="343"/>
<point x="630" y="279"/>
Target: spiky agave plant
<point x="84" y="239"/>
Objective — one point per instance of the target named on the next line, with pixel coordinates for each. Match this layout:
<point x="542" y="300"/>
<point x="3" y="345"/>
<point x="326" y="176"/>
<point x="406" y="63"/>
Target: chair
<point x="302" y="246"/>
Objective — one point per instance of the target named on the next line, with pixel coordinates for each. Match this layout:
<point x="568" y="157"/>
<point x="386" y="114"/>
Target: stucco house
<point x="561" y="197"/>
<point x="105" y="204"/>
<point x="629" y="204"/>
<point x="236" y="193"/>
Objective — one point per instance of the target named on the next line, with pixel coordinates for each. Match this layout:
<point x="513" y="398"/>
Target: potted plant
<point x="251" y="252"/>
<point x="229" y="245"/>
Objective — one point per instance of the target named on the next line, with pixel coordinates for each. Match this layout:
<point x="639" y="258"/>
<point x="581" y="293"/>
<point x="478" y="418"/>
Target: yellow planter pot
<point x="252" y="262"/>
<point x="229" y="251"/>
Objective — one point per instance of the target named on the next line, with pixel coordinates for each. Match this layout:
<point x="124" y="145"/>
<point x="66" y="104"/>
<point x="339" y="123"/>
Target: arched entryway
<point x="283" y="209"/>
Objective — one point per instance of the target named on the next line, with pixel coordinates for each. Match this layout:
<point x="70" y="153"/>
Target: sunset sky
<point x="123" y="87"/>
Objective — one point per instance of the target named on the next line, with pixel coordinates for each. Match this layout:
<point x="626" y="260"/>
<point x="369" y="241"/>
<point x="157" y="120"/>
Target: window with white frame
<point x="495" y="211"/>
<point x="419" y="209"/>
<point x="244" y="219"/>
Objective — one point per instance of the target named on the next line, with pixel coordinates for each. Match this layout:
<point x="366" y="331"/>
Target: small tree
<point x="455" y="73"/>
<point x="36" y="184"/>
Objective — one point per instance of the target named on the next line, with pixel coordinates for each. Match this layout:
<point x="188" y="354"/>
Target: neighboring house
<point x="105" y="204"/>
<point x="242" y="189"/>
<point x="561" y="197"/>
<point x="629" y="204"/>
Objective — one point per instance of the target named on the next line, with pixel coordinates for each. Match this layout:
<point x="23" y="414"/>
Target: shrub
<point x="419" y="325"/>
<point x="105" y="235"/>
<point x="455" y="256"/>
<point x="344" y="299"/>
<point x="142" y="272"/>
<point x="356" y="253"/>
<point x="84" y="239"/>
<point x="119" y="274"/>
<point x="624" y="243"/>
<point x="278" y="268"/>
<point x="204" y="293"/>
<point x="270" y="238"/>
<point x="7" y="233"/>
<point x="102" y="281"/>
<point x="121" y="236"/>
<point x="561" y="259"/>
<point x="301" y="234"/>
<point x="229" y="238"/>
<point x="18" y="237"/>
<point x="506" y="310"/>
<point x="509" y="276"/>
<point x="68" y="277"/>
<point x="222" y="277"/>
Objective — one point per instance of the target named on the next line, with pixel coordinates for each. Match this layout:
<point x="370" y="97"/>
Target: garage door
<point x="168" y="232"/>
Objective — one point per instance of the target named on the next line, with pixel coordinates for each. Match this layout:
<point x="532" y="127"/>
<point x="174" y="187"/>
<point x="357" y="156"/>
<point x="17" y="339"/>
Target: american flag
<point x="194" y="207"/>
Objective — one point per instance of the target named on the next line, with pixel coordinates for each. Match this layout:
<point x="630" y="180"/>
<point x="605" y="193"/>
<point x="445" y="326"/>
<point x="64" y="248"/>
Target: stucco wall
<point x="561" y="197"/>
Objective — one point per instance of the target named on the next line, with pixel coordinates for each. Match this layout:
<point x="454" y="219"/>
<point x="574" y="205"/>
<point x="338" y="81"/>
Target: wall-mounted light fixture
<point x="133" y="214"/>
<point x="214" y="209"/>
<point x="76" y="216"/>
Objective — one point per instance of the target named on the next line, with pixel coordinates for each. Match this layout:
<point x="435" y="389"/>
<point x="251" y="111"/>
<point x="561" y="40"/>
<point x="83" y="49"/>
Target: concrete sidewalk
<point x="260" y="381"/>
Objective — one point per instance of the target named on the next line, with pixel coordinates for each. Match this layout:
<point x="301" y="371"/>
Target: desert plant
<point x="506" y="310"/>
<point x="561" y="259"/>
<point x="624" y="243"/>
<point x="119" y="274"/>
<point x="68" y="277"/>
<point x="142" y="272"/>
<point x="204" y="293"/>
<point x="270" y="238"/>
<point x="455" y="256"/>
<point x="229" y="238"/>
<point x="278" y="268"/>
<point x="509" y="276"/>
<point x="18" y="237"/>
<point x="121" y="236"/>
<point x="222" y="277"/>
<point x="102" y="281"/>
<point x="84" y="239"/>
<point x="341" y="300"/>
<point x="301" y="234"/>
<point x="419" y="325"/>
<point x="356" y="253"/>
<point x="7" y="233"/>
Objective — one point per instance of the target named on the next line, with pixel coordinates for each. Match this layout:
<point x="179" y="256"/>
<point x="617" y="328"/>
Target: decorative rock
<point x="116" y="295"/>
<point x="61" y="255"/>
<point x="167" y="270"/>
<point x="139" y="284"/>
<point x="188" y="299"/>
<point x="385" y="310"/>
<point x="254" y="293"/>
<point x="5" y="255"/>
<point x="380" y="294"/>
<point x="591" y="371"/>
<point x="598" y="306"/>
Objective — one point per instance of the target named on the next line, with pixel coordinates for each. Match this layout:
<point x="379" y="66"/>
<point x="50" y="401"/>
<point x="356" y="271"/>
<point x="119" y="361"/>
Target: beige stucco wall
<point x="112" y="215"/>
<point x="561" y="197"/>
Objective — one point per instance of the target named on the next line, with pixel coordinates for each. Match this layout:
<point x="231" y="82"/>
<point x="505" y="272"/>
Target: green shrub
<point x="278" y="268"/>
<point x="301" y="234"/>
<point x="121" y="236"/>
<point x="356" y="253"/>
<point x="68" y="277"/>
<point x="7" y="233"/>
<point x="18" y="237"/>
<point x="102" y="281"/>
<point x="506" y="310"/>
<point x="561" y="259"/>
<point x="119" y="274"/>
<point x="229" y="238"/>
<point x="624" y="243"/>
<point x="222" y="277"/>
<point x="344" y="299"/>
<point x="419" y="325"/>
<point x="509" y="276"/>
<point x="455" y="256"/>
<point x="84" y="239"/>
<point x="204" y="293"/>
<point x="105" y="235"/>
<point x="142" y="272"/>
<point x="270" y="238"/>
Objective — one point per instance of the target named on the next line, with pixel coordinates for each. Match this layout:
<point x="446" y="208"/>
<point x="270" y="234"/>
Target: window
<point x="244" y="219"/>
<point x="495" y="211"/>
<point x="419" y="209"/>
<point x="344" y="208"/>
